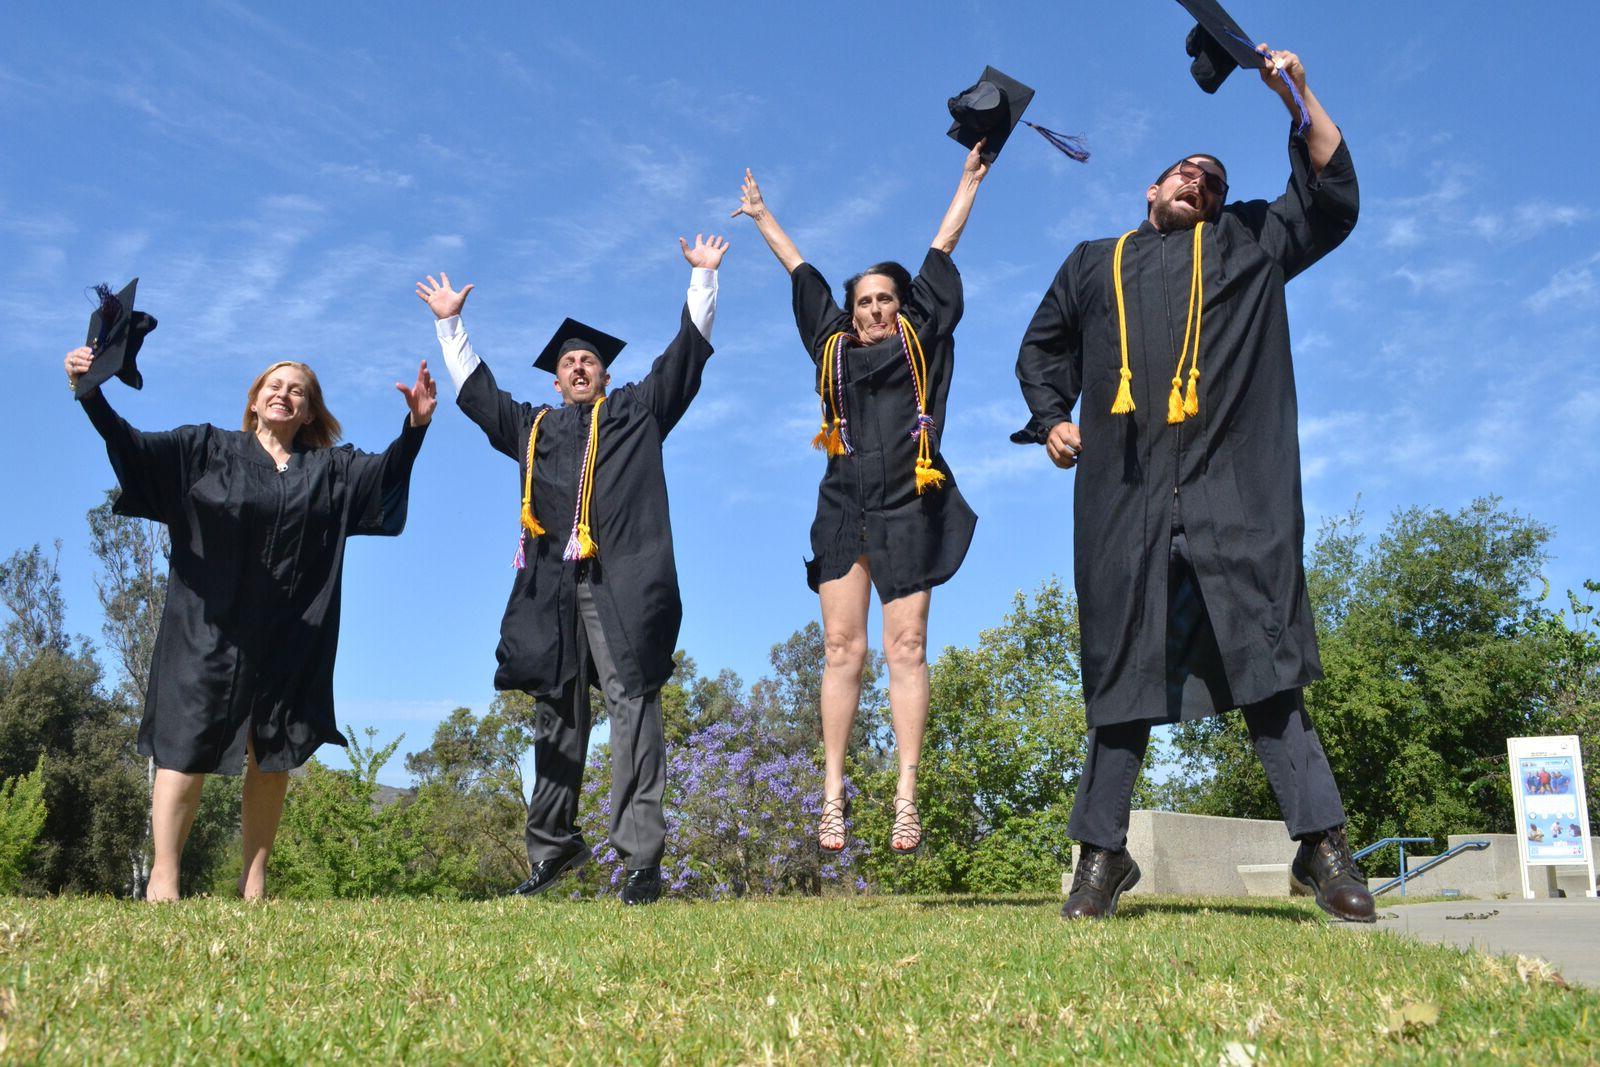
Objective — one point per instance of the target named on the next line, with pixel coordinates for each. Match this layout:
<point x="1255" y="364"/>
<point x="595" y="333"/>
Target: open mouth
<point x="1188" y="195"/>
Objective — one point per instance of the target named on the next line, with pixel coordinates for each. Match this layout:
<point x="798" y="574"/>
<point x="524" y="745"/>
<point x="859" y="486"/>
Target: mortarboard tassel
<point x="1283" y="75"/>
<point x="1072" y="147"/>
<point x="110" y="312"/>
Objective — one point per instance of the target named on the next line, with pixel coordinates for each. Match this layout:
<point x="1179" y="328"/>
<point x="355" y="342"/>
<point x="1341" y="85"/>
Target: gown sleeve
<point x="379" y="484"/>
<point x="815" y="314"/>
<point x="499" y="416"/>
<point x="154" y="470"/>
<point x="674" y="377"/>
<point x="1314" y="215"/>
<point x="936" y="301"/>
<point x="1050" y="361"/>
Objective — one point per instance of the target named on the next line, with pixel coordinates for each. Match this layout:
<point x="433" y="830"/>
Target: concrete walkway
<point x="1564" y="933"/>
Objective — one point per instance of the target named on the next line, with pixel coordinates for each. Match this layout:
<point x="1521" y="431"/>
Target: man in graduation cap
<point x="595" y="596"/>
<point x="1173" y="340"/>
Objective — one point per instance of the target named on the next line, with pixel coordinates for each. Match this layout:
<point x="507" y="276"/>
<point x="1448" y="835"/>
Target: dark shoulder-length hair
<point x="322" y="431"/>
<point x="888" y="269"/>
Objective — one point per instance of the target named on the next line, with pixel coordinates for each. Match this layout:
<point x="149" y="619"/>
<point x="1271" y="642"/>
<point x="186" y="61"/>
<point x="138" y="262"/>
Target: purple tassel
<point x="573" y="552"/>
<point x="1072" y="147"/>
<point x="520" y="560"/>
<point x="110" y="312"/>
<point x="1305" y="116"/>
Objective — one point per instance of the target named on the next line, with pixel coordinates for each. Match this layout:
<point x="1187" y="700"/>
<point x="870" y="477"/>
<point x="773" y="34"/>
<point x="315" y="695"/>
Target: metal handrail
<point x="1402" y="842"/>
<point x="1406" y="875"/>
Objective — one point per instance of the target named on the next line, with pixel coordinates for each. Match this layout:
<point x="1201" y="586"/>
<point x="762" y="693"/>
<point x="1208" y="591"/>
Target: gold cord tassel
<point x="1191" y="403"/>
<point x="1124" y="401"/>
<point x="587" y="549"/>
<point x="586" y="546"/>
<point x="1175" y="402"/>
<point x="928" y="476"/>
<point x="1123" y="405"/>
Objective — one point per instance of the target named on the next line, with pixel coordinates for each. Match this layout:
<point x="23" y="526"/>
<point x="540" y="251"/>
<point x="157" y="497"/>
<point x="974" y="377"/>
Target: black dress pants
<point x="1281" y="731"/>
<point x="638" y="758"/>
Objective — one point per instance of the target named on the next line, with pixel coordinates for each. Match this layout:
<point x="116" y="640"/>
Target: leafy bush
<point x="21" y="820"/>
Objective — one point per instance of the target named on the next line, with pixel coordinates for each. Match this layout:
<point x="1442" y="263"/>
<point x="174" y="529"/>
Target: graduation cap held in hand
<point x="115" y="333"/>
<point x="573" y="334"/>
<point x="991" y="109"/>
<point x="1218" y="45"/>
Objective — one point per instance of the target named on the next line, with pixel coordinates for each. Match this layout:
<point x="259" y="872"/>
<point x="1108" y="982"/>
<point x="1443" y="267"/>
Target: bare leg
<point x="174" y="800"/>
<point x="263" y="806"/>
<point x="905" y="644"/>
<point x="844" y="626"/>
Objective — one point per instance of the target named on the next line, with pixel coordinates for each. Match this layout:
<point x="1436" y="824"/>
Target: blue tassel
<point x="1305" y="116"/>
<point x="1072" y="147"/>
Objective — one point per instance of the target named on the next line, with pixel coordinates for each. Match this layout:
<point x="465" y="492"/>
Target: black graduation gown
<point x="251" y="624"/>
<point x="634" y="577"/>
<point x="1233" y="471"/>
<point x="867" y="503"/>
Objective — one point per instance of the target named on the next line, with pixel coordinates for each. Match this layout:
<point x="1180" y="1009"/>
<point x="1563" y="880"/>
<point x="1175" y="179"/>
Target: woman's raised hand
<point x="707" y="254"/>
<point x="442" y="300"/>
<point x="750" y="202"/>
<point x="423" y="397"/>
<point x="77" y="362"/>
<point x="974" y="167"/>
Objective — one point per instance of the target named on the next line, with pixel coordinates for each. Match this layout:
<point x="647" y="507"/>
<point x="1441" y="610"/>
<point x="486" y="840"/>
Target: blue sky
<point x="279" y="177"/>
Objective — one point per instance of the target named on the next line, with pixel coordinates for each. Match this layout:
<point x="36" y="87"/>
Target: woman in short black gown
<point x="889" y="515"/>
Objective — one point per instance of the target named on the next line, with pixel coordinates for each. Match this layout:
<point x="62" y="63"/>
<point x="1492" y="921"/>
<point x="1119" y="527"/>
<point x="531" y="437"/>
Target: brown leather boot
<point x="1101" y="878"/>
<point x="1325" y="867"/>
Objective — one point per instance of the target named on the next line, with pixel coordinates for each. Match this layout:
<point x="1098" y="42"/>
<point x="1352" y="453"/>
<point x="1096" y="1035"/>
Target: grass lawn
<point x="875" y="980"/>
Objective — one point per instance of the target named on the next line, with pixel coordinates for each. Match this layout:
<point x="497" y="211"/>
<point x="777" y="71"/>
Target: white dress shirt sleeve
<point x="459" y="358"/>
<point x="702" y="300"/>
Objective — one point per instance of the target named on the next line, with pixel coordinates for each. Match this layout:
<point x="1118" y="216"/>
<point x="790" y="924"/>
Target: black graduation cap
<point x="115" y="333"/>
<point x="574" y="334"/>
<point x="1217" y="44"/>
<point x="991" y="108"/>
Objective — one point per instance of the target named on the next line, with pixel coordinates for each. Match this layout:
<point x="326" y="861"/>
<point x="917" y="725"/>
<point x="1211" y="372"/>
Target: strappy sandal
<point x="907" y="824"/>
<point x="831" y="825"/>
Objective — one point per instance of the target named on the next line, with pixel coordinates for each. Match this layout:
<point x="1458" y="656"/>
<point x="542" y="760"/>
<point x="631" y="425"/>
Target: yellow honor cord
<point x="529" y="521"/>
<point x="928" y="476"/>
<point x="587" y="549"/>
<point x="1180" y="407"/>
<point x="829" y="438"/>
<point x="1124" y="401"/>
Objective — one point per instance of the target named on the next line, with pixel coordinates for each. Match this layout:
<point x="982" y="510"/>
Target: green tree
<point x="22" y="815"/>
<point x="336" y="840"/>
<point x="472" y="790"/>
<point x="1003" y="753"/>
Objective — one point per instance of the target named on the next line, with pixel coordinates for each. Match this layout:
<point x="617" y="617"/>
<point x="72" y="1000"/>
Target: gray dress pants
<point x="1285" y="741"/>
<point x="638" y="758"/>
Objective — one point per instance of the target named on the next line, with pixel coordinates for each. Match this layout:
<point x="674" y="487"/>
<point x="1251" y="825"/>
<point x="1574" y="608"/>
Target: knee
<point x="907" y="650"/>
<point x="845" y="651"/>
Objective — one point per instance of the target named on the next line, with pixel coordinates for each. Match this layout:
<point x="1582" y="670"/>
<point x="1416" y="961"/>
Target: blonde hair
<point x="321" y="430"/>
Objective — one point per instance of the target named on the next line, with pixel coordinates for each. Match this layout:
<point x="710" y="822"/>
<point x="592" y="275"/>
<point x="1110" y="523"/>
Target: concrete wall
<point x="1199" y="855"/>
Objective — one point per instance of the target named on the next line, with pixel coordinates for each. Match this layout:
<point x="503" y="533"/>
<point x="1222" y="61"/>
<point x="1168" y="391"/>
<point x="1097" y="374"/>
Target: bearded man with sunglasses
<point x="1173" y="341"/>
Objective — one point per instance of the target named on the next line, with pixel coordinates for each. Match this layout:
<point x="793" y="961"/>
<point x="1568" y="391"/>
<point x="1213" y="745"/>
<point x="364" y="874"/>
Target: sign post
<point x="1552" y="811"/>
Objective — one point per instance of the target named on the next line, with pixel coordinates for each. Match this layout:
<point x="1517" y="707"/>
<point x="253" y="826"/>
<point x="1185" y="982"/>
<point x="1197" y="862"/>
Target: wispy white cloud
<point x="1574" y="286"/>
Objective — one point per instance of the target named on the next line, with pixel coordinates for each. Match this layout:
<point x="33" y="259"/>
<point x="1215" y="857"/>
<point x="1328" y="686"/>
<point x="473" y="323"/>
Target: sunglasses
<point x="1188" y="171"/>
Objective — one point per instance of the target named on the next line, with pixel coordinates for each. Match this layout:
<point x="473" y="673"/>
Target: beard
<point x="1170" y="215"/>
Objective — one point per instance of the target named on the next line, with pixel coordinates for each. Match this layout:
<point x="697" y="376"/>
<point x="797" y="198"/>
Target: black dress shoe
<point x="547" y="872"/>
<point x="1101" y="878"/>
<point x="643" y="886"/>
<point x="1324" y="866"/>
